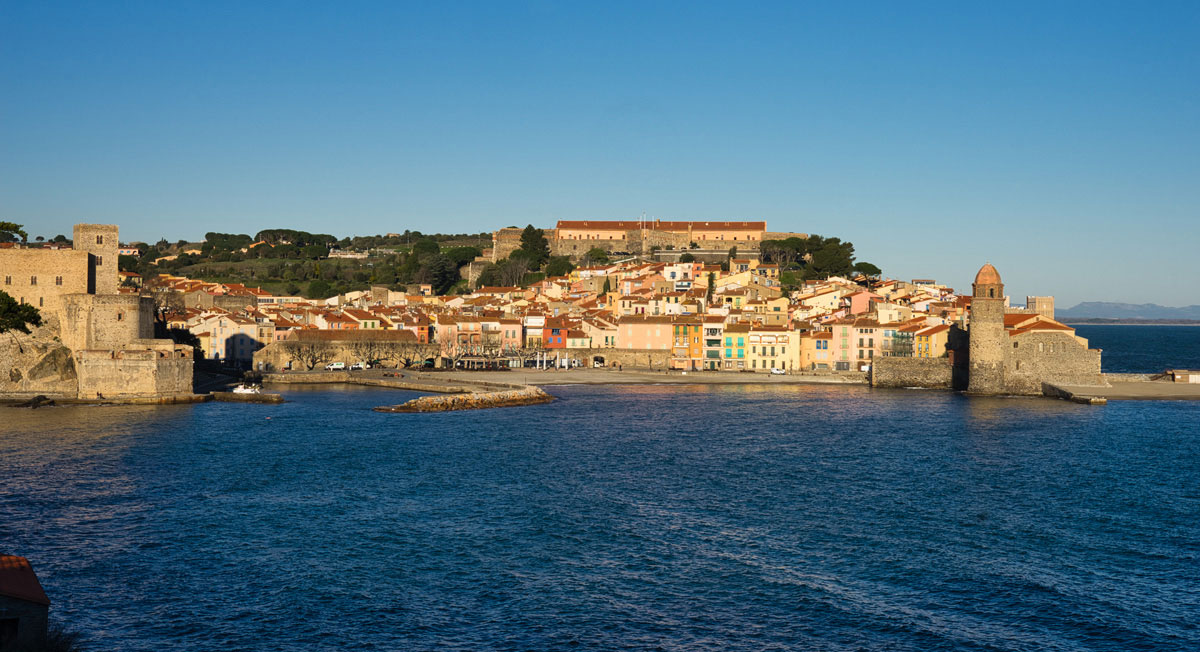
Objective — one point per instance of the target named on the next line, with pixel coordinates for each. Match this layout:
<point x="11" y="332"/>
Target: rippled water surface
<point x="653" y="517"/>
<point x="1144" y="349"/>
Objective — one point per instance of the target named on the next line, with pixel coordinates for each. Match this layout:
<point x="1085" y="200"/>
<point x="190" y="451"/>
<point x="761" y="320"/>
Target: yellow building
<point x="931" y="342"/>
<point x="769" y="347"/>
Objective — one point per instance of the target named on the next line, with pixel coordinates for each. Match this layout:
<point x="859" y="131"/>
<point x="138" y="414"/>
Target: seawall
<point x="930" y="373"/>
<point x="474" y="401"/>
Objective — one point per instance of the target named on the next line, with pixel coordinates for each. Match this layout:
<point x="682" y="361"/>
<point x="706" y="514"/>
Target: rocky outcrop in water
<point x="475" y="401"/>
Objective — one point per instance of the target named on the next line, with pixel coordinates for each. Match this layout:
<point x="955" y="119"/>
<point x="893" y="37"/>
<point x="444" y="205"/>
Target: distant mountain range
<point x="1136" y="311"/>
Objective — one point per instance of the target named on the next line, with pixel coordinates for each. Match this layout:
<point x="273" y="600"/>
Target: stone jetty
<point x="473" y="401"/>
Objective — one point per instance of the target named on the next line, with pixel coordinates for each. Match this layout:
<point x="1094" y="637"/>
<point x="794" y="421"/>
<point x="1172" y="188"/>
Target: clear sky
<point x="1060" y="141"/>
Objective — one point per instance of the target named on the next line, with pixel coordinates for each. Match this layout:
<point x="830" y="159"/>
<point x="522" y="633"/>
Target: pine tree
<point x="535" y="246"/>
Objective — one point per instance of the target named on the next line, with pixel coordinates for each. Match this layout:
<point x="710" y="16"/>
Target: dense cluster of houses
<point x="683" y="315"/>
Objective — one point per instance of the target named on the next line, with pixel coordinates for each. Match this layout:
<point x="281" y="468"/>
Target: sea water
<point x="619" y="517"/>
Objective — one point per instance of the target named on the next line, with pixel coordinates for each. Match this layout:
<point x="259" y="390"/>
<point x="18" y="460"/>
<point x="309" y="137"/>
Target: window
<point x="99" y="239"/>
<point x="33" y="280"/>
<point x="99" y="260"/>
<point x="8" y="280"/>
<point x="58" y="280"/>
<point x="40" y="302"/>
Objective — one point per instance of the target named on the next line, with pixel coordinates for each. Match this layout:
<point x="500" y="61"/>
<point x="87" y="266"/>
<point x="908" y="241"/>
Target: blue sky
<point x="1060" y="141"/>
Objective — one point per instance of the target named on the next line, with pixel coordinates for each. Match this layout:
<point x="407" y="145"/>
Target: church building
<point x="1016" y="351"/>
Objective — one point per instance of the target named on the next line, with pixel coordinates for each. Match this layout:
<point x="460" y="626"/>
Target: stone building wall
<point x="342" y="346"/>
<point x="577" y="248"/>
<point x="507" y="240"/>
<point x="155" y="368"/>
<point x="32" y="620"/>
<point x="1050" y="357"/>
<point x="39" y="277"/>
<point x="471" y="272"/>
<point x="783" y="235"/>
<point x="230" y="302"/>
<point x="987" y="342"/>
<point x="97" y="321"/>
<point x="657" y="359"/>
<point x="101" y="242"/>
<point x="932" y="373"/>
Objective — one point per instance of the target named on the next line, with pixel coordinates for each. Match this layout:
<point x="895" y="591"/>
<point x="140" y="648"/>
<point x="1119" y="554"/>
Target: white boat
<point x="246" y="389"/>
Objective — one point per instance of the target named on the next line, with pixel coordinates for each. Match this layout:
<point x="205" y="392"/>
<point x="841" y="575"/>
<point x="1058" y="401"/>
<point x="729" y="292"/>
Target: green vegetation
<point x="17" y="316"/>
<point x="814" y="257"/>
<point x="687" y="258"/>
<point x="596" y="256"/>
<point x="287" y="261"/>
<point x="559" y="266"/>
<point x="10" y="232"/>
<point x="534" y="247"/>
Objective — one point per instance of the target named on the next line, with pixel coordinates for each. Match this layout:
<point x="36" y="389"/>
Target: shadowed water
<point x="652" y="517"/>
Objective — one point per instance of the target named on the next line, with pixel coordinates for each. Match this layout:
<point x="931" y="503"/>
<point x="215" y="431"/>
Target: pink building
<point x="645" y="333"/>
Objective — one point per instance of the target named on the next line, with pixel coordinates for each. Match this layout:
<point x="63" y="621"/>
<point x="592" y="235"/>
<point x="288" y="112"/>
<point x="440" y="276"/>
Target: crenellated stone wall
<point x="155" y="370"/>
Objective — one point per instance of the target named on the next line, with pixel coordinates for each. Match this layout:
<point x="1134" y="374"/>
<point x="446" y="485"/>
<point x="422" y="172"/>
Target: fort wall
<point x="931" y="373"/>
<point x="151" y="369"/>
<point x="40" y="277"/>
<point x="507" y="240"/>
<point x="97" y="321"/>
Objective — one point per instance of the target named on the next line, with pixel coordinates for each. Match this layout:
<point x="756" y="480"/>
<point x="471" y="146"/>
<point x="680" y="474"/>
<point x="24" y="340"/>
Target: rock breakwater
<point x="473" y="401"/>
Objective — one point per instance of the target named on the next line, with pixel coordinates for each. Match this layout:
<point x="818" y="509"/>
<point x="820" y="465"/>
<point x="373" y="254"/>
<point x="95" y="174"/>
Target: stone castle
<point x="575" y="238"/>
<point x="96" y="341"/>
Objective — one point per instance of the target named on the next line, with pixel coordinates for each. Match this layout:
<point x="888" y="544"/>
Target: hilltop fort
<point x="574" y="238"/>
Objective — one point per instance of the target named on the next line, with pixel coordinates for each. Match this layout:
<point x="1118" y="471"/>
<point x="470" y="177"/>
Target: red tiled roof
<point x="17" y="580"/>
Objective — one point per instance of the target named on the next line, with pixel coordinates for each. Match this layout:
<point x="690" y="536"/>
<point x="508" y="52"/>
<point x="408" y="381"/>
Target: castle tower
<point x="987" y="336"/>
<point x="101" y="241"/>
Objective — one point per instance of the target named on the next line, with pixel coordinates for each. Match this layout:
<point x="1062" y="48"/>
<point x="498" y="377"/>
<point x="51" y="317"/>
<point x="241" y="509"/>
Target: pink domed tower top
<point x="987" y="283"/>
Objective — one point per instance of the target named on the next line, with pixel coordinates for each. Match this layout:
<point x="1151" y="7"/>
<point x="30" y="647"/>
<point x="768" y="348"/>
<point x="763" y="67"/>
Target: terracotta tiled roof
<point x="353" y="335"/>
<point x="17" y="580"/>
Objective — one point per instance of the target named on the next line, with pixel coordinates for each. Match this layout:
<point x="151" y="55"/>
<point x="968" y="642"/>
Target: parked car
<point x="359" y="366"/>
<point x="335" y="366"/>
<point x="778" y="372"/>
